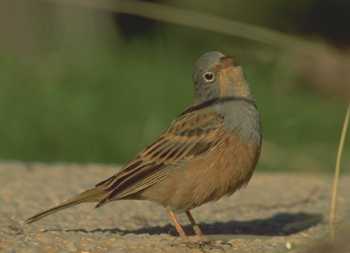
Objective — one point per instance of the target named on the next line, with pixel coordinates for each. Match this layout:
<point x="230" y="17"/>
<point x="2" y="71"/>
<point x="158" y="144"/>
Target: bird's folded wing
<point x="189" y="136"/>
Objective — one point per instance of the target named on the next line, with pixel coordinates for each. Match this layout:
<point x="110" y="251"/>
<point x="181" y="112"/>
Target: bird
<point x="209" y="151"/>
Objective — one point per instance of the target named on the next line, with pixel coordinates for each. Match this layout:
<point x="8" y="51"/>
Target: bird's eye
<point x="209" y="77"/>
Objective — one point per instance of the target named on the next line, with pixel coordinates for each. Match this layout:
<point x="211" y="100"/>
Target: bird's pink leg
<point x="177" y="225"/>
<point x="195" y="226"/>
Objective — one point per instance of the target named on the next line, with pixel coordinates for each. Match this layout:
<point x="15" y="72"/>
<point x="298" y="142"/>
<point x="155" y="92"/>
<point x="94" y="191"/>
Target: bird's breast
<point x="220" y="172"/>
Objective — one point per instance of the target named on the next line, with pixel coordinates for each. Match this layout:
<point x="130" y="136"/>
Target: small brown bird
<point x="210" y="150"/>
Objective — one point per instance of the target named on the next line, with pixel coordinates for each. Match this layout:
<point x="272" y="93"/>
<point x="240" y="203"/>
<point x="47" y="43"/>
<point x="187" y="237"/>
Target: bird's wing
<point x="189" y="136"/>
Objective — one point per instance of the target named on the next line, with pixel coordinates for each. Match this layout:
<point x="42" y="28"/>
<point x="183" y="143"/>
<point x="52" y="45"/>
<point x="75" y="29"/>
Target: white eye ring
<point x="209" y="77"/>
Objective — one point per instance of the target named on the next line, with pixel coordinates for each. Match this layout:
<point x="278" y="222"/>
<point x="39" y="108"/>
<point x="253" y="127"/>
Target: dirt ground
<point x="275" y="213"/>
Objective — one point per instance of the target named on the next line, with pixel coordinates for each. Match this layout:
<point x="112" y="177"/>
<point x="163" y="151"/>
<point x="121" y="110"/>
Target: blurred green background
<point x="89" y="86"/>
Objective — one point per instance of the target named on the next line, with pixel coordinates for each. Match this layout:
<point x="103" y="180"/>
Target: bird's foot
<point x="203" y="243"/>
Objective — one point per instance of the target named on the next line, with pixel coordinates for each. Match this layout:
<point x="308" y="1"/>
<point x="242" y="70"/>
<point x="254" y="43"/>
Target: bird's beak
<point x="226" y="62"/>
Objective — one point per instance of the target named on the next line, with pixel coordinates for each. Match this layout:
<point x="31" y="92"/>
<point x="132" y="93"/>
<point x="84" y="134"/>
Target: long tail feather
<point x="91" y="195"/>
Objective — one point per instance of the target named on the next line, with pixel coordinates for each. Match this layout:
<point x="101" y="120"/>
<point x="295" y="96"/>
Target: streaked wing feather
<point x="190" y="135"/>
<point x="144" y="183"/>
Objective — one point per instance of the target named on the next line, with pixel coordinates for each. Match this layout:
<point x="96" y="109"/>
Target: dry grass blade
<point x="194" y="19"/>
<point x="333" y="209"/>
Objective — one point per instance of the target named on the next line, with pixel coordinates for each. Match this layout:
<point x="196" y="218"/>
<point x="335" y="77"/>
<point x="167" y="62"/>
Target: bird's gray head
<point x="217" y="75"/>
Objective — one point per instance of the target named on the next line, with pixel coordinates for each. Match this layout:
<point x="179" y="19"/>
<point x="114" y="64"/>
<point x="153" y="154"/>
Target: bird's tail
<point x="91" y="195"/>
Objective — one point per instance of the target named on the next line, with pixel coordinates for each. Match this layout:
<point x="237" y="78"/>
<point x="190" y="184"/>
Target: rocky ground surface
<point x="275" y="213"/>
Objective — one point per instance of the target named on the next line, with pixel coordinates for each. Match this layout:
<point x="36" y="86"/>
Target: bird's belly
<point x="221" y="171"/>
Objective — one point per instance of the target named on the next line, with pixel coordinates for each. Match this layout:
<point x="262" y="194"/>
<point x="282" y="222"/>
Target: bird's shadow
<point x="280" y="224"/>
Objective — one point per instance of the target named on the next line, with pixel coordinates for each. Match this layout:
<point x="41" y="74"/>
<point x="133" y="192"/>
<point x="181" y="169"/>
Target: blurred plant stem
<point x="194" y="19"/>
<point x="333" y="209"/>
